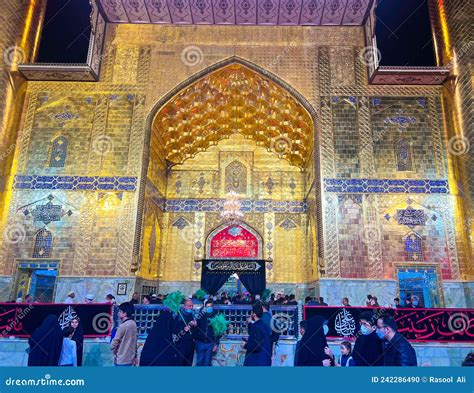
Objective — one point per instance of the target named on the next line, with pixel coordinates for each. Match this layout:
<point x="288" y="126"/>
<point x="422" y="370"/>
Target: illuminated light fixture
<point x="231" y="211"/>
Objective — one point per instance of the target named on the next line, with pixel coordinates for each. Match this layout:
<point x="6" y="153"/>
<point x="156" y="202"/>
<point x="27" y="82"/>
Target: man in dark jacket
<point x="397" y="350"/>
<point x="258" y="345"/>
<point x="184" y="339"/>
<point x="206" y="340"/>
<point x="313" y="302"/>
<point x="292" y="301"/>
<point x="368" y="347"/>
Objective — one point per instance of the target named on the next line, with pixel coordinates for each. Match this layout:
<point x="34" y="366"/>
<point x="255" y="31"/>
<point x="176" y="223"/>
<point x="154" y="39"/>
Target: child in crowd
<point x="69" y="350"/>
<point x="345" y="359"/>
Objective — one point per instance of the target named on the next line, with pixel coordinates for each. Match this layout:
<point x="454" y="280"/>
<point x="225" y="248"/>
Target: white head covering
<point x="89" y="296"/>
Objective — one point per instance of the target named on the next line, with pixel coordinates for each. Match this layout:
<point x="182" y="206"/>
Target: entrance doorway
<point x="421" y="281"/>
<point x="233" y="285"/>
<point x="233" y="252"/>
<point x="37" y="279"/>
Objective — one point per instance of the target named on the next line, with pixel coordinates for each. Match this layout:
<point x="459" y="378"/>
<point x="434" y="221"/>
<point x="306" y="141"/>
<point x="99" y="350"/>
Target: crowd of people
<point x="377" y="343"/>
<point x="225" y="298"/>
<point x="411" y="301"/>
<point x="221" y="298"/>
<point x="174" y="340"/>
<point x="187" y="336"/>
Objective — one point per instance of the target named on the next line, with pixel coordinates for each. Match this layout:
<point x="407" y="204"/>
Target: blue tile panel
<point x="247" y="205"/>
<point x="38" y="263"/>
<point x="94" y="183"/>
<point x="386" y="186"/>
<point x="116" y="183"/>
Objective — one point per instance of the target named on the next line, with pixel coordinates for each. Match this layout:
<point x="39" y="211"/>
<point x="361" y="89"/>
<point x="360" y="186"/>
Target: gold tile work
<point x="20" y="27"/>
<point x="152" y="241"/>
<point x="438" y="228"/>
<point x="125" y="64"/>
<point x="179" y="249"/>
<point x="264" y="174"/>
<point x="453" y="35"/>
<point x="58" y="115"/>
<point x="289" y="255"/>
<point x="342" y="66"/>
<point x="233" y="100"/>
<point x="205" y="176"/>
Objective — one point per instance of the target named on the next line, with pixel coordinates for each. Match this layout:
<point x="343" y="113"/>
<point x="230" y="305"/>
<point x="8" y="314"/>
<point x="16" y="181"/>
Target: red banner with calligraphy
<point x="415" y="324"/>
<point x="21" y="319"/>
<point x="234" y="242"/>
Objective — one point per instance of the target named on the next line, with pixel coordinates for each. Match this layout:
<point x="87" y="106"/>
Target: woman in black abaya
<point x="311" y="350"/>
<point x="46" y="343"/>
<point x="159" y="349"/>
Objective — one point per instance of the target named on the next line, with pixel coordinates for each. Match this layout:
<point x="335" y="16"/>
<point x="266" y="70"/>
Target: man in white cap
<point x="89" y="298"/>
<point x="70" y="297"/>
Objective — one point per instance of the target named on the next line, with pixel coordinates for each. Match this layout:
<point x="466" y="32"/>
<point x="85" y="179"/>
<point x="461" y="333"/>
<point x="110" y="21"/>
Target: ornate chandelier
<point x="231" y="211"/>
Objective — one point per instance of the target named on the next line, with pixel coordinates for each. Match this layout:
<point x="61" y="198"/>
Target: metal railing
<point x="284" y="319"/>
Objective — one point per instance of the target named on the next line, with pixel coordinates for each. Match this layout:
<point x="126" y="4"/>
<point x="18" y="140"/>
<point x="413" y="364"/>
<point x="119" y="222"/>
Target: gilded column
<point x="452" y="36"/>
<point x="20" y="31"/>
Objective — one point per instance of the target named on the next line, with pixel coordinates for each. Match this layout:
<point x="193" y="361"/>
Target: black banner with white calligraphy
<point x="21" y="319"/>
<point x="215" y="272"/>
<point x="419" y="324"/>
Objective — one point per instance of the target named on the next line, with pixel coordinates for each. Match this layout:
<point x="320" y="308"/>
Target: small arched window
<point x="58" y="152"/>
<point x="413" y="247"/>
<point x="403" y="153"/>
<point x="43" y="244"/>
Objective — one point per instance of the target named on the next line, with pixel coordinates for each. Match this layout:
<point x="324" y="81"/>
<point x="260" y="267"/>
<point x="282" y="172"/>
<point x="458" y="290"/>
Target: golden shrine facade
<point x="115" y="173"/>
